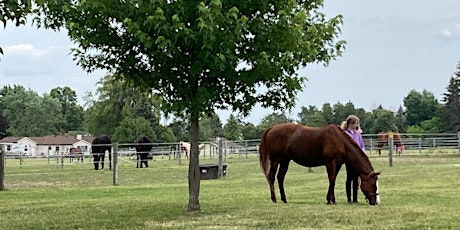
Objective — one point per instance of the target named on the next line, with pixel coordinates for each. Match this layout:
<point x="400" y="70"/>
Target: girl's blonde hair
<point x="350" y="120"/>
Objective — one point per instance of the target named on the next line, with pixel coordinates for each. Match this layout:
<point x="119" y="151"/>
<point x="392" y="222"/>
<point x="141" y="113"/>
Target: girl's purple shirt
<point x="357" y="137"/>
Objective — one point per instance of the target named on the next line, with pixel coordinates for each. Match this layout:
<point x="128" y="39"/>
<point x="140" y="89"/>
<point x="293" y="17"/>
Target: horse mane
<point x="353" y="142"/>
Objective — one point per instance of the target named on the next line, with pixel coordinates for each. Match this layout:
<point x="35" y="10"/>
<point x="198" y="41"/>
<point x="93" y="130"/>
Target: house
<point x="51" y="145"/>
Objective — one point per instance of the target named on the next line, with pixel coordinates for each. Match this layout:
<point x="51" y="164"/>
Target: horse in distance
<point x="382" y="140"/>
<point x="76" y="153"/>
<point x="312" y="147"/>
<point x="143" y="147"/>
<point x="99" y="146"/>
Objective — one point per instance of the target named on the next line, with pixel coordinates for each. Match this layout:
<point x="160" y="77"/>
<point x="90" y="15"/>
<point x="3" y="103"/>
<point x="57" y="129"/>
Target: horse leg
<point x="146" y="162"/>
<point x="138" y="158"/>
<point x="96" y="161"/>
<point x="332" y="171"/>
<point x="110" y="161"/>
<point x="284" y="165"/>
<point x="271" y="179"/>
<point x="102" y="157"/>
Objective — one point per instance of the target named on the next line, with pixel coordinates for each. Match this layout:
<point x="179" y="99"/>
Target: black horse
<point x="143" y="148"/>
<point x="101" y="144"/>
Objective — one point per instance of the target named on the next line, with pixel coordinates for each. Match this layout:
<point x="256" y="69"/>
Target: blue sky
<point x="392" y="47"/>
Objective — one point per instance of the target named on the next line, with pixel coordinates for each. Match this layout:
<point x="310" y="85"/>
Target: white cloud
<point x="446" y="33"/>
<point x="450" y="31"/>
<point x="23" y="50"/>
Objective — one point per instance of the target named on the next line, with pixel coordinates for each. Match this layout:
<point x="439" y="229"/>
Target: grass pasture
<point x="418" y="192"/>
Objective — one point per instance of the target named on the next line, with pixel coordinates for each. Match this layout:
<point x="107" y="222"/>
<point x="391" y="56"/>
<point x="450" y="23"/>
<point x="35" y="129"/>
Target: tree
<point x="384" y="121"/>
<point x="210" y="127"/>
<point x="14" y="10"/>
<point x="251" y="132"/>
<point x="450" y="111"/>
<point x="130" y="128"/>
<point x="71" y="111"/>
<point x="341" y="112"/>
<point x="311" y="116"/>
<point x="401" y="119"/>
<point x="273" y="119"/>
<point x="116" y="100"/>
<point x="201" y="55"/>
<point x="328" y="114"/>
<point x="29" y="114"/>
<point x="232" y="129"/>
<point x="420" y="106"/>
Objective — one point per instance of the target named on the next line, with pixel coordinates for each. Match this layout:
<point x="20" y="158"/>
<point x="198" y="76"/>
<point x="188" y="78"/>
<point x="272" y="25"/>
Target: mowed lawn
<point x="418" y="192"/>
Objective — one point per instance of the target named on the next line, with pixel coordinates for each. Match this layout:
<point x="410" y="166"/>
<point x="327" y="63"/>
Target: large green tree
<point x="130" y="128"/>
<point x="384" y="121"/>
<point x="232" y="129"/>
<point x="311" y="116"/>
<point x="420" y="106"/>
<point x="450" y="111"/>
<point x="116" y="100"/>
<point x="201" y="55"/>
<point x="210" y="127"/>
<point x="29" y="114"/>
<point x="70" y="110"/>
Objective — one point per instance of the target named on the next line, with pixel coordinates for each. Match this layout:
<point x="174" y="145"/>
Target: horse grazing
<point x="101" y="144"/>
<point x="312" y="147"/>
<point x="76" y="153"/>
<point x="143" y="148"/>
<point x="382" y="139"/>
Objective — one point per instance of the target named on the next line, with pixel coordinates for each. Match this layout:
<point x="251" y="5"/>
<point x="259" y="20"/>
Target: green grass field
<point x="418" y="192"/>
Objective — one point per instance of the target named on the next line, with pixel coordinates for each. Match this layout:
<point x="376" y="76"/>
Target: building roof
<point x="10" y="139"/>
<point x="49" y="140"/>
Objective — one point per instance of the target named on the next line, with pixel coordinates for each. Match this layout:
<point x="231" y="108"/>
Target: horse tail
<point x="263" y="154"/>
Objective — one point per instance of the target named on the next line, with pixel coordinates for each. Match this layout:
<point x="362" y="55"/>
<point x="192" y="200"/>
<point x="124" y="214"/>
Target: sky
<point x="393" y="47"/>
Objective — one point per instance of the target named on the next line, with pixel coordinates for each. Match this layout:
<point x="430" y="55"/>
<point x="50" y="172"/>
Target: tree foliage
<point x="130" y="128"/>
<point x="15" y="11"/>
<point x="232" y="129"/>
<point x="420" y="106"/>
<point x="29" y="114"/>
<point x="450" y="112"/>
<point x="71" y="111"/>
<point x="311" y="116"/>
<point x="273" y="119"/>
<point x="118" y="100"/>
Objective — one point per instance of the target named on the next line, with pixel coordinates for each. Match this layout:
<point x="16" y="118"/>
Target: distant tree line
<point x="124" y="112"/>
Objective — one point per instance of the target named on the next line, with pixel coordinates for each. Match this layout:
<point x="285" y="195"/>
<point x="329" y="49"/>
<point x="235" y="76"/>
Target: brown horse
<point x="76" y="153"/>
<point x="382" y="139"/>
<point x="312" y="147"/>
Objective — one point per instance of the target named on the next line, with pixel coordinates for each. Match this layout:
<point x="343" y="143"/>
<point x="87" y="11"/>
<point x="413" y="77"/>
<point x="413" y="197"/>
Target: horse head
<point x="370" y="189"/>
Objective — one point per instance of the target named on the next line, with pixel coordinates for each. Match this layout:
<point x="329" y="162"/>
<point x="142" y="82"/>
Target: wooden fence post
<point x="220" y="167"/>
<point x="2" y="169"/>
<point x="390" y="148"/>
<point x="115" y="164"/>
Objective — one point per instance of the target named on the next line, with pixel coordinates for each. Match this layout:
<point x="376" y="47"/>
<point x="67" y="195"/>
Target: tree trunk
<point x="194" y="166"/>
